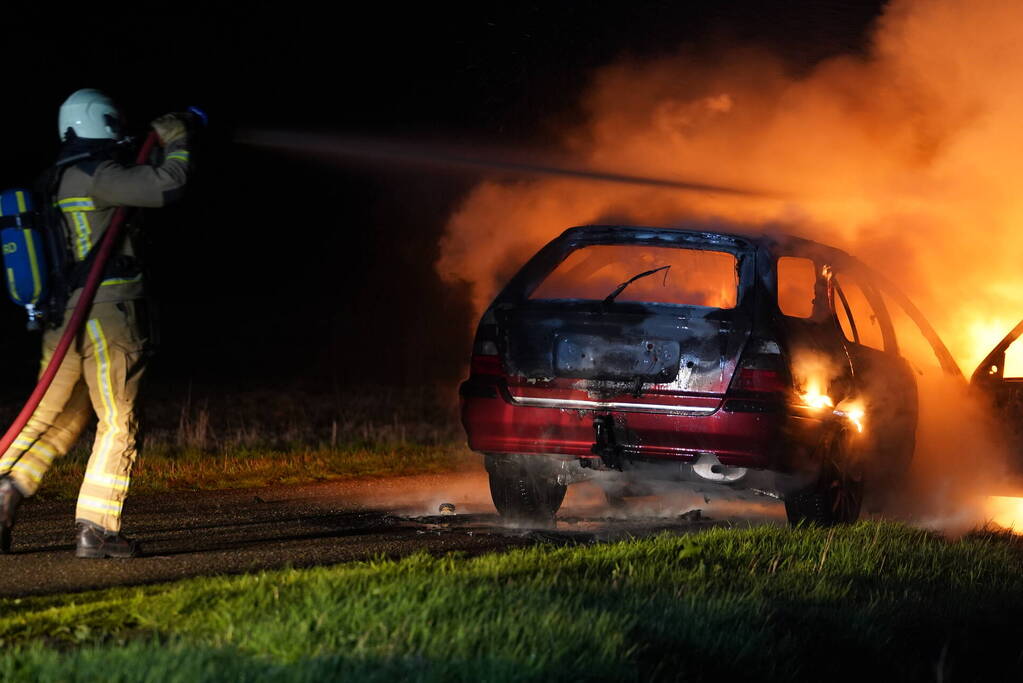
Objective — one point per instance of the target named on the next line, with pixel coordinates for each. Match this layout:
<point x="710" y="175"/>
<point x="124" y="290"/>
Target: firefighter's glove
<point x="170" y="128"/>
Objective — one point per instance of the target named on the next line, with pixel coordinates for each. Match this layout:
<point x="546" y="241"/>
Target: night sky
<point x="278" y="270"/>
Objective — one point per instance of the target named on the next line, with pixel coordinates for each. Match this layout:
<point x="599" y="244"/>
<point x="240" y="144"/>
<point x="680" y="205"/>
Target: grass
<point x="211" y="439"/>
<point x="875" y="601"/>
<point x="252" y="467"/>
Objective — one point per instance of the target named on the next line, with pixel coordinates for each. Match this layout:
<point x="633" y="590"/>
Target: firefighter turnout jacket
<point x="106" y="361"/>
<point x="90" y="192"/>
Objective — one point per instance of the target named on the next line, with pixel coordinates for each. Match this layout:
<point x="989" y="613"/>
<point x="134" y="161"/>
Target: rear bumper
<point x="772" y="438"/>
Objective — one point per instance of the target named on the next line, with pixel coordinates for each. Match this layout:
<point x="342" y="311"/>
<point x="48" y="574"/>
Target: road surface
<point x="224" y="532"/>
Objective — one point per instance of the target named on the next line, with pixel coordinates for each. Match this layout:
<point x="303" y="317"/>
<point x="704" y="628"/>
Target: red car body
<point x="568" y="378"/>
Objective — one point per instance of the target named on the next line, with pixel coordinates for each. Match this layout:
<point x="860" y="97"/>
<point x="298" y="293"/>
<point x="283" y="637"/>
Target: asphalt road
<point x="224" y="532"/>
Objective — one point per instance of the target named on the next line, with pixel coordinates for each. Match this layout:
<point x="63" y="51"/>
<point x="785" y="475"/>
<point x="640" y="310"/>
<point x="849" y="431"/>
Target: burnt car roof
<point x="641" y="233"/>
<point x="701" y="233"/>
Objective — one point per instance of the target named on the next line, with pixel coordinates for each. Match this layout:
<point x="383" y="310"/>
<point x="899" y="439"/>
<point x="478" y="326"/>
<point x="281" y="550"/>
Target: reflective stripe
<point x="180" y="155"/>
<point x="13" y="287"/>
<point x="22" y="467"/>
<point x="121" y="280"/>
<point x="41" y="455"/>
<point x="106" y="390"/>
<point x="99" y="504"/>
<point x="113" y="481"/>
<point x="76" y="204"/>
<point x="21" y="201"/>
<point x="83" y="235"/>
<point x="37" y="283"/>
<point x="42" y="452"/>
<point x="39" y="449"/>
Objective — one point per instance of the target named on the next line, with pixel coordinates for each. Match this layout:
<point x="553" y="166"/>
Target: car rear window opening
<point x="695" y="277"/>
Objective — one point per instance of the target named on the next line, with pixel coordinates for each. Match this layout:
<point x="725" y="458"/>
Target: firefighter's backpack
<point x="25" y="268"/>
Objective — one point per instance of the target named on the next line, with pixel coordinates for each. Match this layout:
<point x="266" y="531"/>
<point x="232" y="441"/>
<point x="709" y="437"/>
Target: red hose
<point x="74" y="326"/>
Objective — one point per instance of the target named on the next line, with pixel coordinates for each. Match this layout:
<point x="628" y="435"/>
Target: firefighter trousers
<point x="100" y="374"/>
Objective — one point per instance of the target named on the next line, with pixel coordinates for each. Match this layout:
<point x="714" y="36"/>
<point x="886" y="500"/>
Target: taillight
<point x="485" y="356"/>
<point x="762" y="369"/>
<point x="486" y="372"/>
<point x="755" y="379"/>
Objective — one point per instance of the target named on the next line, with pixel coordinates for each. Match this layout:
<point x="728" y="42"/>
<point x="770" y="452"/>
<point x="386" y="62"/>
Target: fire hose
<point x="81" y="310"/>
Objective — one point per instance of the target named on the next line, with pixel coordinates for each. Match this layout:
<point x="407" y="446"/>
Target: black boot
<point x="10" y="499"/>
<point x="94" y="542"/>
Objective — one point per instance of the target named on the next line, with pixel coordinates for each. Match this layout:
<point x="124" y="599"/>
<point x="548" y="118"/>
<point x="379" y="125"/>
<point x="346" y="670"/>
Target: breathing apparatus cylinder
<point x="24" y="252"/>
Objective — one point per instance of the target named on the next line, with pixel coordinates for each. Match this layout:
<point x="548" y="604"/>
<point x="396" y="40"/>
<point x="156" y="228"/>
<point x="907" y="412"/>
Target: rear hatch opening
<point x="628" y="327"/>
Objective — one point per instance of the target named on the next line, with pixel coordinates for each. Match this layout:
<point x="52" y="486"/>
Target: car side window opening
<point x="1013" y="363"/>
<point x="856" y="316"/>
<point x="696" y="277"/>
<point x="913" y="345"/>
<point x="797" y="280"/>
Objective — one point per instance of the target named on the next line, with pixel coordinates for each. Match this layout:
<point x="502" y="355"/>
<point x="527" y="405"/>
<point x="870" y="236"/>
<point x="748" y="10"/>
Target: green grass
<point x="876" y="601"/>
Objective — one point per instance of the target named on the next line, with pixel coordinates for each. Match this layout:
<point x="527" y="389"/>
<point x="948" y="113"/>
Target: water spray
<point x="335" y="147"/>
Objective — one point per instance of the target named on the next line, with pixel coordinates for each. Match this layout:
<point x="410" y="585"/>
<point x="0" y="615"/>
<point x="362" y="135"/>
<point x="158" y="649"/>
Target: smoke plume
<point x="907" y="157"/>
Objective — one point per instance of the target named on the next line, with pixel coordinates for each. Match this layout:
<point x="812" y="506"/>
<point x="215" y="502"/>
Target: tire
<point x="525" y="489"/>
<point x="836" y="496"/>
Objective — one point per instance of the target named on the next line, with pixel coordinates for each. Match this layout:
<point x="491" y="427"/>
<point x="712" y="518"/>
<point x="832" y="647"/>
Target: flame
<point x="1005" y="511"/>
<point x="815" y="399"/>
<point x="813" y="371"/>
<point x="820" y="401"/>
<point x="855" y="414"/>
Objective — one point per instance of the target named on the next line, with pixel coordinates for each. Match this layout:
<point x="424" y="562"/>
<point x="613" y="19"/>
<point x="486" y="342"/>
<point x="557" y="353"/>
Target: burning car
<point x="766" y="364"/>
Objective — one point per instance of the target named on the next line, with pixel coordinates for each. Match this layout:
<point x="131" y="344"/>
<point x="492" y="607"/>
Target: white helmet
<point x="90" y="114"/>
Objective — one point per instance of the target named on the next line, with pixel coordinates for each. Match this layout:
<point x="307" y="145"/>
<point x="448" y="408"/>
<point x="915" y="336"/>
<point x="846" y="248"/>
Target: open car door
<point x="1000" y="376"/>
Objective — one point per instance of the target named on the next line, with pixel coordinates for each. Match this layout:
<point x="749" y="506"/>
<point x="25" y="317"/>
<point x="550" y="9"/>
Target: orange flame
<point x="815" y="399"/>
<point x="1005" y="511"/>
<point x="850" y="410"/>
<point x="855" y="414"/>
<point x="813" y="372"/>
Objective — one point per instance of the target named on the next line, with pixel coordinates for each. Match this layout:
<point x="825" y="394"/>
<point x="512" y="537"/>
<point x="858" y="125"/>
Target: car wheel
<point x="836" y="496"/>
<point x="525" y="489"/>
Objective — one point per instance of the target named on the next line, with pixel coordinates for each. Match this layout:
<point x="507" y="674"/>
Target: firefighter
<point x="105" y="363"/>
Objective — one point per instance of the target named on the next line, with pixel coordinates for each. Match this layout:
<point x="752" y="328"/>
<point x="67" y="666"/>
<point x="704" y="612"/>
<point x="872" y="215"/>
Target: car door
<point x="1000" y="376"/>
<point x="882" y="378"/>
